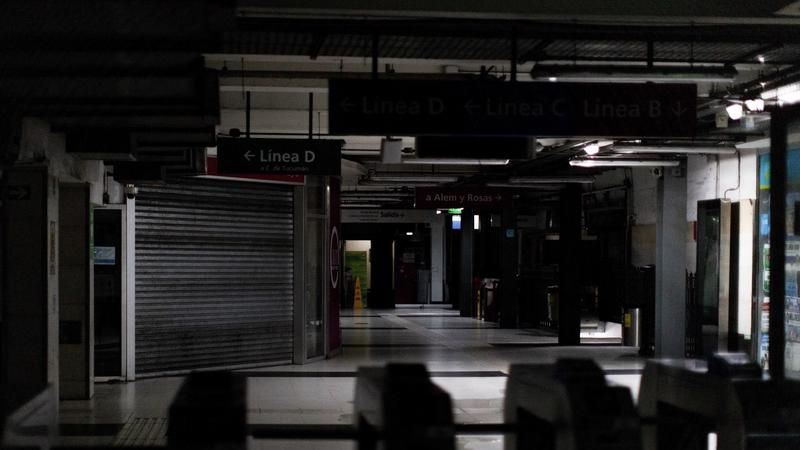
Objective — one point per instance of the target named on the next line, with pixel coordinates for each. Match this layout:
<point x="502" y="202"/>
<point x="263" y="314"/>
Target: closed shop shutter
<point x="214" y="275"/>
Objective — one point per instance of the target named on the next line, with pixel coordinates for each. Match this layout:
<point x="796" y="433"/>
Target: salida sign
<point x="238" y="156"/>
<point x="429" y="198"/>
<point x="428" y="107"/>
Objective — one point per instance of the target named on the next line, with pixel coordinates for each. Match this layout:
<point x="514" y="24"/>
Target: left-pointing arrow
<point x="248" y="155"/>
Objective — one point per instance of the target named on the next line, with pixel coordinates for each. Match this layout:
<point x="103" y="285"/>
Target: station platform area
<point x="468" y="358"/>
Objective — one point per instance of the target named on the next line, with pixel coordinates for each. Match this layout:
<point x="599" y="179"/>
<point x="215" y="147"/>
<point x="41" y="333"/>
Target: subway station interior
<point x="304" y="224"/>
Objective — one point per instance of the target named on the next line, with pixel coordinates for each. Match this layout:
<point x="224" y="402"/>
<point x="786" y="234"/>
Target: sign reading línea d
<point x="242" y="156"/>
<point x="431" y="107"/>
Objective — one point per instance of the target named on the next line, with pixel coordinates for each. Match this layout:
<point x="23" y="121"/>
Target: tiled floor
<point x="466" y="357"/>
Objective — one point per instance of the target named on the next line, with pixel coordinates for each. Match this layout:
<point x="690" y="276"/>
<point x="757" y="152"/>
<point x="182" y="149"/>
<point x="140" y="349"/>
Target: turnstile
<point x="569" y="406"/>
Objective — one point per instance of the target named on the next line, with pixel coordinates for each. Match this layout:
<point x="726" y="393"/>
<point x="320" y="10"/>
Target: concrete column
<point x="30" y="300"/>
<point x="671" y="265"/>
<point x="437" y="258"/>
<point x="466" y="305"/>
<point x="381" y="292"/>
<point x="76" y="294"/>
<point x="569" y="311"/>
<point x="509" y="300"/>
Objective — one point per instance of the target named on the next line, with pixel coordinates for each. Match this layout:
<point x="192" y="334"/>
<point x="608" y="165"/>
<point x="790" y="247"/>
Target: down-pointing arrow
<point x="678" y="109"/>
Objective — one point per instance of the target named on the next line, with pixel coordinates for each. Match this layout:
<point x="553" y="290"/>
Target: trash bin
<point x="631" y="334"/>
<point x="552" y="304"/>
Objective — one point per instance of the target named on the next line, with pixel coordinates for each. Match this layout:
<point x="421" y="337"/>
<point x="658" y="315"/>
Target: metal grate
<point x="214" y="275"/>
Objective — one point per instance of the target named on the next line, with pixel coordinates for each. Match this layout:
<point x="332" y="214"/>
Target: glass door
<point x="315" y="266"/>
<point x="108" y="298"/>
<point x="315" y="288"/>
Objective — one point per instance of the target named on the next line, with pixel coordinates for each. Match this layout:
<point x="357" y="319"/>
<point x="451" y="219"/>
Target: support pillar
<point x="466" y="305"/>
<point x="381" y="292"/>
<point x="569" y="308"/>
<point x="671" y="265"/>
<point x="508" y="296"/>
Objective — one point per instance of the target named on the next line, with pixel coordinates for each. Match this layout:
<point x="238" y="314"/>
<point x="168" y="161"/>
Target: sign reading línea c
<point x="433" y="107"/>
<point x="241" y="156"/>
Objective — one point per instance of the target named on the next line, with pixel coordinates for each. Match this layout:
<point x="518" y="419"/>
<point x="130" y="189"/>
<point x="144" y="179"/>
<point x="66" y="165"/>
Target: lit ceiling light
<point x="552" y="79"/>
<point x="455" y="161"/>
<point x="551" y="180"/>
<point x="415" y="178"/>
<point x="754" y="105"/>
<point x="409" y="233"/>
<point x="620" y="162"/>
<point x="783" y="94"/>
<point x="591" y="149"/>
<point x="398" y="183"/>
<point x="539" y="187"/>
<point x="570" y="72"/>
<point x="628" y="149"/>
<point x="761" y="59"/>
<point x="735" y="111"/>
<point x="346" y="152"/>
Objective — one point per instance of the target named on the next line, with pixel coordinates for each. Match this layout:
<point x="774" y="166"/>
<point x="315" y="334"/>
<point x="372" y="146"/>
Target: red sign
<point x="474" y="198"/>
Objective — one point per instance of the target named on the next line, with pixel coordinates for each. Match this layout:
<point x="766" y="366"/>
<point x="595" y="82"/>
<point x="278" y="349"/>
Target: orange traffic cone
<point x="357" y="304"/>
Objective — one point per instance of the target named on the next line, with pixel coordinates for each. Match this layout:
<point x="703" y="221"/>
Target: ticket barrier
<point x="568" y="406"/>
<point x="397" y="407"/>
<point x="683" y="401"/>
<point x="32" y="424"/>
<point x="209" y="412"/>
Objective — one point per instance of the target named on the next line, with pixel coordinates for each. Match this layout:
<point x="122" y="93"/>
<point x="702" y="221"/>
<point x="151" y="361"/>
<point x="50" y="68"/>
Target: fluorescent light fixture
<point x="552" y="79"/>
<point x="783" y="95"/>
<point x="591" y="149"/>
<point x="541" y="187"/>
<point x="620" y="162"/>
<point x="415" y="178"/>
<point x="761" y="59"/>
<point x="476" y="222"/>
<point x="735" y="111"/>
<point x="551" y="180"/>
<point x="430" y="183"/>
<point x="754" y="105"/>
<point x="438" y="212"/>
<point x="360" y="205"/>
<point x="571" y="72"/>
<point x="457" y="161"/>
<point x="664" y="149"/>
<point x="346" y="152"/>
<point x="409" y="233"/>
<point x="368" y="199"/>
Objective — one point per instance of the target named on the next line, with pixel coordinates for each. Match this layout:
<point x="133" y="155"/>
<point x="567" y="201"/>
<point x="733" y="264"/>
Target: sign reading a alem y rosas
<point x="461" y="197"/>
<point x="430" y="107"/>
<point x="238" y="156"/>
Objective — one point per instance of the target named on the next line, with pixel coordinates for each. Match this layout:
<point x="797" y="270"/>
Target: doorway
<point x="109" y="293"/>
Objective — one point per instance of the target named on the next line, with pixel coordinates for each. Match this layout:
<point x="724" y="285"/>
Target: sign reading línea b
<point x="242" y="156"/>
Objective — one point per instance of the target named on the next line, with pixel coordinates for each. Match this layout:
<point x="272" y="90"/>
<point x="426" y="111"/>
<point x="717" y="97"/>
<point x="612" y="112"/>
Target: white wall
<point x="707" y="177"/>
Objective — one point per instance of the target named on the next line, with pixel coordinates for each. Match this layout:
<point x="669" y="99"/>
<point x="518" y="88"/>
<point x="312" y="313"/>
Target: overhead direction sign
<point x="430" y="107"/>
<point x="241" y="156"/>
<point x="460" y="197"/>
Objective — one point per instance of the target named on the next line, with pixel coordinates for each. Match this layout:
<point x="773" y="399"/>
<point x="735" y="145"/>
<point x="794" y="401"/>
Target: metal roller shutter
<point x="214" y="275"/>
